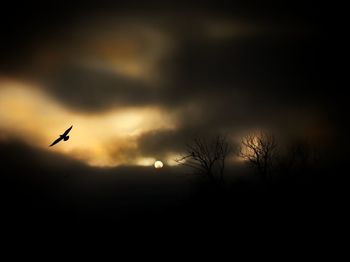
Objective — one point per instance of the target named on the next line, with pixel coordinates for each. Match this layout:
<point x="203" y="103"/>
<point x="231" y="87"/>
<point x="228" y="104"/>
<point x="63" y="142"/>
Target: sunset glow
<point x="107" y="139"/>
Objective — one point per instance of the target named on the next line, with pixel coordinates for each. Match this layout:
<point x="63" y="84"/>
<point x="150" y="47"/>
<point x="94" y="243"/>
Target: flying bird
<point x="62" y="137"/>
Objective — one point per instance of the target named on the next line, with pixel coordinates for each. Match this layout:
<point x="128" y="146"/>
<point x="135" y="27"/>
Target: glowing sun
<point x="158" y="164"/>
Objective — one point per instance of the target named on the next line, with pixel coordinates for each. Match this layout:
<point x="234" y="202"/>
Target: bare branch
<point x="259" y="150"/>
<point x="207" y="156"/>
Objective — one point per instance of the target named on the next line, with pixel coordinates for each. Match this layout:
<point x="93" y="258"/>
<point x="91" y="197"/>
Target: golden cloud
<point x="101" y="139"/>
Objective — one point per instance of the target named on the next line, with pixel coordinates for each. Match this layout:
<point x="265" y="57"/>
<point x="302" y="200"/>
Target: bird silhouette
<point x="62" y="137"/>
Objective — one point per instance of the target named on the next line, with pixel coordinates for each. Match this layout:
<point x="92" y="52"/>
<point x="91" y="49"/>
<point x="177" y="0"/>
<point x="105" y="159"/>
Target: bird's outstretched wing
<point x="56" y="141"/>
<point x="67" y="131"/>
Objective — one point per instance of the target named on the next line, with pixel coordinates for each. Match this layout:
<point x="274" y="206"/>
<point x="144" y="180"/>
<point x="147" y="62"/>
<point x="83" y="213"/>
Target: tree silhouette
<point x="207" y="157"/>
<point x="259" y="150"/>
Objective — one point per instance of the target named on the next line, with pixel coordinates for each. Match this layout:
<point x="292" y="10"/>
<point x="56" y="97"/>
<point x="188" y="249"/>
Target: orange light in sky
<point x="100" y="139"/>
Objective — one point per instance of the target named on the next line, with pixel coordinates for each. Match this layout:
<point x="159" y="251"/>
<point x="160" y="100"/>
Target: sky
<point x="139" y="80"/>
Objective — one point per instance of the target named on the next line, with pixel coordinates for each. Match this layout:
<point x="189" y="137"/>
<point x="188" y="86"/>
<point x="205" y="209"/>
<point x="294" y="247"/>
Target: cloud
<point x="150" y="58"/>
<point x="206" y="69"/>
<point x="94" y="89"/>
<point x="99" y="139"/>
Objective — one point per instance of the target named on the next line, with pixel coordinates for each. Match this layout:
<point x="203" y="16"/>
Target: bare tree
<point x="259" y="149"/>
<point x="207" y="157"/>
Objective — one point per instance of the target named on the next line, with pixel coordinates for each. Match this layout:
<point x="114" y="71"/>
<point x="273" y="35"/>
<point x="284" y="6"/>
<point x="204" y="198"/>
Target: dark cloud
<point x="275" y="68"/>
<point x="269" y="67"/>
<point x="164" y="142"/>
<point x="93" y="89"/>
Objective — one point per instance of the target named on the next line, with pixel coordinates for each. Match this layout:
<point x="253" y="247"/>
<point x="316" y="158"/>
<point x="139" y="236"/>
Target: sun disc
<point x="158" y="164"/>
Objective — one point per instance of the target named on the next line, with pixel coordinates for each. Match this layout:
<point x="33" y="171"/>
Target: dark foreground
<point x="44" y="191"/>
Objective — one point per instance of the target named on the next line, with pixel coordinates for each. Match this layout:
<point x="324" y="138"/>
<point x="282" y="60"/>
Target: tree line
<point x="260" y="150"/>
